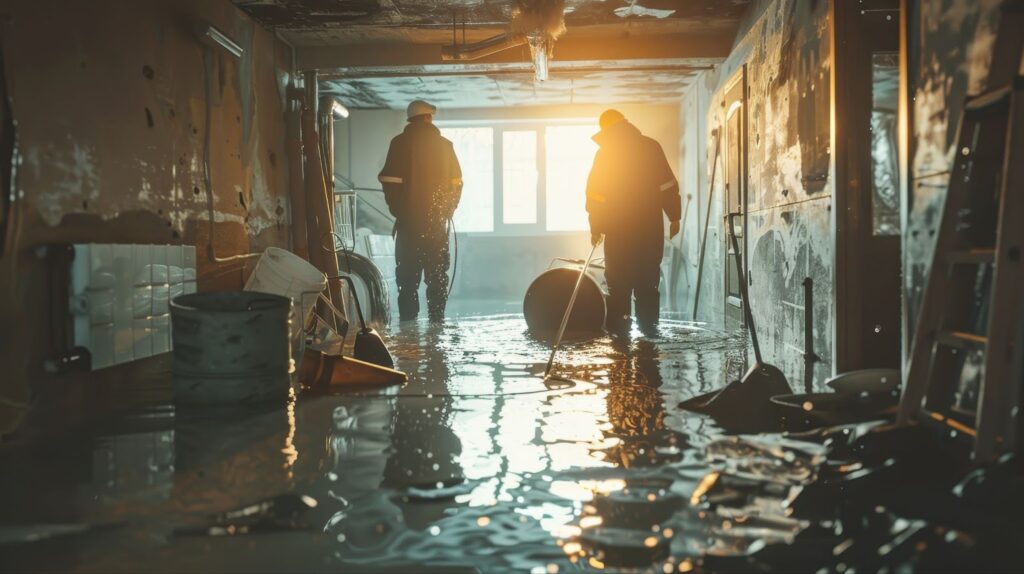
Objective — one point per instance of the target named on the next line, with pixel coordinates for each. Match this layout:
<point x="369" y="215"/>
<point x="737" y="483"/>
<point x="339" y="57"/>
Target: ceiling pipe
<point x="563" y="71"/>
<point x="481" y="49"/>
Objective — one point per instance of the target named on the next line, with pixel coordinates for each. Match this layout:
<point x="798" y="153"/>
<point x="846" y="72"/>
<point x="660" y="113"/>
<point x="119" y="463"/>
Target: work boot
<point x="408" y="305"/>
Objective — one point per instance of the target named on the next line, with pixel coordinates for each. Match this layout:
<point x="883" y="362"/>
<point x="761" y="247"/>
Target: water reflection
<point x="473" y="464"/>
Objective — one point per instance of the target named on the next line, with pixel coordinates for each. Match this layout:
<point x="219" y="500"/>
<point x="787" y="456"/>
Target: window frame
<point x="499" y="127"/>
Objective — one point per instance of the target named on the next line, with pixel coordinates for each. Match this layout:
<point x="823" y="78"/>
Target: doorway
<point x="734" y="145"/>
<point x="867" y="194"/>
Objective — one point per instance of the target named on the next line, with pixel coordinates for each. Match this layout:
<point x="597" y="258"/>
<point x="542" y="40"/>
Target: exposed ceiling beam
<point x="561" y="69"/>
<point x="568" y="49"/>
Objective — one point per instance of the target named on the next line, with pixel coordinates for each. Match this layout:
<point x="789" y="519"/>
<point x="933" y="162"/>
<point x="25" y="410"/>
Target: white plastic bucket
<point x="281" y="272"/>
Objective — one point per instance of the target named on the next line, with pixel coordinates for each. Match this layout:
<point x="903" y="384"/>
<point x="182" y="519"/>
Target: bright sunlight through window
<point x="519" y="177"/>
<point x="561" y="179"/>
<point x="570" y="154"/>
<point x="475" y="149"/>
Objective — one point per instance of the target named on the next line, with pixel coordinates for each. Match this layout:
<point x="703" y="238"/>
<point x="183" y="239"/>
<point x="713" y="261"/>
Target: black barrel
<point x="548" y="296"/>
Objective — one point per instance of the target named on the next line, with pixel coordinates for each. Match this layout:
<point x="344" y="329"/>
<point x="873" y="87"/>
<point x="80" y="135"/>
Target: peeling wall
<point x="789" y="238"/>
<point x="110" y="103"/>
<point x="951" y="48"/>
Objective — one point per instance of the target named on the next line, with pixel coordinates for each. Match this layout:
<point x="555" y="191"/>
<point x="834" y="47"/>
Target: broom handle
<point x="747" y="312"/>
<point x="568" y="309"/>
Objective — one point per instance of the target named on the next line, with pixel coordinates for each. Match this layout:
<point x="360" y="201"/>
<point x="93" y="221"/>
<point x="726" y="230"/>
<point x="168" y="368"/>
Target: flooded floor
<point x="475" y="465"/>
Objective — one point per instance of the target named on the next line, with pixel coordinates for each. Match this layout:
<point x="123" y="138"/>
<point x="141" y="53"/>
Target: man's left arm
<point x="668" y="187"/>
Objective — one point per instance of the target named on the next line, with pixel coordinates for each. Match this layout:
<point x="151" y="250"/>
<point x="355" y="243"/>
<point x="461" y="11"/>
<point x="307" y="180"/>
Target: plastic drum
<point x="548" y="296"/>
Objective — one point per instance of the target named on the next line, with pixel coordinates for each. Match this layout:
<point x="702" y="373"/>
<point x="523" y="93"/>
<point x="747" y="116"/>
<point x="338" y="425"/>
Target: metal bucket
<point x="548" y="296"/>
<point x="230" y="347"/>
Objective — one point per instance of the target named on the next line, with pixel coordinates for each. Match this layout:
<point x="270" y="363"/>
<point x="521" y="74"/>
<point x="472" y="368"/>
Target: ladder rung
<point x="948" y="422"/>
<point x="971" y="257"/>
<point x="987" y="99"/>
<point x="961" y="339"/>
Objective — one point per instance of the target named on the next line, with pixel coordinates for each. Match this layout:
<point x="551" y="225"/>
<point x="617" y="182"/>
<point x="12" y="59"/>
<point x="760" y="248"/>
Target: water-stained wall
<point x="951" y="51"/>
<point x="785" y="47"/>
<point x="110" y="103"/>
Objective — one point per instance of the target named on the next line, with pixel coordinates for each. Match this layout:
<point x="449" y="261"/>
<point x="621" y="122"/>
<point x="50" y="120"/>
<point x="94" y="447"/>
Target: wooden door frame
<point x="850" y="194"/>
<point x="738" y="78"/>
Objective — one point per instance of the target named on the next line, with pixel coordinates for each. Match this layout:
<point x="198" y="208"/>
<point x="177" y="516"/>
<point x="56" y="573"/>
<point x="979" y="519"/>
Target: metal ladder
<point x="977" y="260"/>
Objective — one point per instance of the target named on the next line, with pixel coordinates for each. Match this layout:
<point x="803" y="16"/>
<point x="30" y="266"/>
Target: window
<point x="519" y="177"/>
<point x="523" y="177"/>
<point x="570" y="154"/>
<point x="475" y="149"/>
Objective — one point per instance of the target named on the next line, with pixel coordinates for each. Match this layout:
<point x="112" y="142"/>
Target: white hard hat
<point x="418" y="108"/>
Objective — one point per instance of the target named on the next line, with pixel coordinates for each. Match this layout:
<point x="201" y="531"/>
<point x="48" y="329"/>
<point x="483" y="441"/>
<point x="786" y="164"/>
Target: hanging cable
<point x="455" y="261"/>
<point x="207" y="179"/>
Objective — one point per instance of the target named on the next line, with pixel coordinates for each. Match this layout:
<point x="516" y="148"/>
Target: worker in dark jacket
<point x="422" y="185"/>
<point x="630" y="186"/>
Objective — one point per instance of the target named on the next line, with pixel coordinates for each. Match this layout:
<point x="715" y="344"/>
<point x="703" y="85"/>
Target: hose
<point x="455" y="261"/>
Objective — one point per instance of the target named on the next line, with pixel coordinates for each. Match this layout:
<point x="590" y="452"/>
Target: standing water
<point x="475" y="465"/>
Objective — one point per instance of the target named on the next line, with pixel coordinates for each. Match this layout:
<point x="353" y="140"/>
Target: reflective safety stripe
<point x="597" y="197"/>
<point x="668" y="185"/>
<point x="389" y="179"/>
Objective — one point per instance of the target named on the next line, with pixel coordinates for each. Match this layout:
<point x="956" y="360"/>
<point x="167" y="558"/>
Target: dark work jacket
<point x="422" y="180"/>
<point x="630" y="186"/>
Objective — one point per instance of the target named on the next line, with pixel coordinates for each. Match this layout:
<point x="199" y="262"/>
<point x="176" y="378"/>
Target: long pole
<point x="568" y="308"/>
<point x="707" y="219"/>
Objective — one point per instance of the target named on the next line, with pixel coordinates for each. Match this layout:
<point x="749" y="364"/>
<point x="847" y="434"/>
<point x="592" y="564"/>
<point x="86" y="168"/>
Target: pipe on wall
<point x="296" y="181"/>
<point x="318" y="207"/>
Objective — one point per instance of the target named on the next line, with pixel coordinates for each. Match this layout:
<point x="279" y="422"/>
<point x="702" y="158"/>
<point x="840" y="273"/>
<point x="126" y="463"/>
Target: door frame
<point x="851" y="192"/>
<point x="733" y="304"/>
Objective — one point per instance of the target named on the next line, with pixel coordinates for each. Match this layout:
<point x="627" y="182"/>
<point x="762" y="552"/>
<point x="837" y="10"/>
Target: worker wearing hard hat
<point x="629" y="189"/>
<point x="422" y="184"/>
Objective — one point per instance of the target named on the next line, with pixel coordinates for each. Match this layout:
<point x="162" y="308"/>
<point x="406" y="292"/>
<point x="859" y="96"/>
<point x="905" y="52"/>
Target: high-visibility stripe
<point x="390" y="179"/>
<point x="668" y="185"/>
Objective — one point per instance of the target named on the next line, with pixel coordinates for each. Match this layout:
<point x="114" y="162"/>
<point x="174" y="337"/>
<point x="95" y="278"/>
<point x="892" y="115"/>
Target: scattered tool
<point x="369" y="345"/>
<point x="745" y="405"/>
<point x="568" y="313"/>
<point x="325" y="370"/>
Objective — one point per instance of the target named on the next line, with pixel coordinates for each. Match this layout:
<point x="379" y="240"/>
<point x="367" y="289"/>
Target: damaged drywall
<point x="788" y="65"/>
<point x="111" y="110"/>
<point x="954" y="41"/>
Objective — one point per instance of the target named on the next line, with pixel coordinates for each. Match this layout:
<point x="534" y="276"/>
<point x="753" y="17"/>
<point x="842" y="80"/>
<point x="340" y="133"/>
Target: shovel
<point x="369" y="346"/>
<point x="745" y="405"/>
<point x="568" y="312"/>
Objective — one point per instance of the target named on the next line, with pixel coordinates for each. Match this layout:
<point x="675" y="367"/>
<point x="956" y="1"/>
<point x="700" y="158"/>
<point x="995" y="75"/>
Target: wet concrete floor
<point x="475" y="465"/>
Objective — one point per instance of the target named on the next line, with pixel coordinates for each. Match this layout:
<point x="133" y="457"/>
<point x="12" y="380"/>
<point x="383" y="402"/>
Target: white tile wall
<point x="120" y="298"/>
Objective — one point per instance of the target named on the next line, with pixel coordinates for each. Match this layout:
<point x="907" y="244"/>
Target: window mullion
<point x="542" y="180"/>
<point x="498" y="175"/>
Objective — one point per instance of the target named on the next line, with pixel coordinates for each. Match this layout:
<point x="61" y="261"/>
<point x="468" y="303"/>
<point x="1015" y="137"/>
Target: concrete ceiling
<point x="384" y="53"/>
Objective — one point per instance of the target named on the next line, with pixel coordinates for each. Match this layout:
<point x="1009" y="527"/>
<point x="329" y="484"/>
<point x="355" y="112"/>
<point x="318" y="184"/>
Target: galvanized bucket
<point x="230" y="347"/>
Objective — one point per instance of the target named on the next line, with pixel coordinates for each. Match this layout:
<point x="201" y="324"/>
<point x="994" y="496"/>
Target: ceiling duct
<point x="537" y="23"/>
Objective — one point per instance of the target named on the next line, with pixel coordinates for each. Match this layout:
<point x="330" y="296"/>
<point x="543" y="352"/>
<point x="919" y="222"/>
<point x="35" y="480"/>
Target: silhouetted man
<point x="422" y="184"/>
<point x="630" y="186"/>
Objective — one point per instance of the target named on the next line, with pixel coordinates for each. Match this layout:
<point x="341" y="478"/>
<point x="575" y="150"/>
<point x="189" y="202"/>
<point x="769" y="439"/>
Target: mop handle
<point x="568" y="309"/>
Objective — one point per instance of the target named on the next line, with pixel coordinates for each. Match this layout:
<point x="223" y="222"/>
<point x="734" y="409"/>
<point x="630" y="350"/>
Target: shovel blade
<point x="745" y="405"/>
<point x="370" y="348"/>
